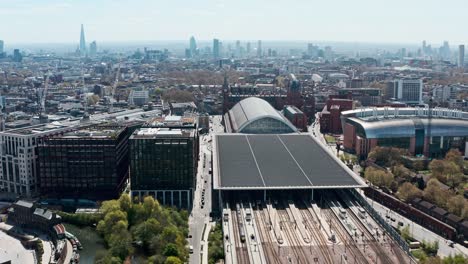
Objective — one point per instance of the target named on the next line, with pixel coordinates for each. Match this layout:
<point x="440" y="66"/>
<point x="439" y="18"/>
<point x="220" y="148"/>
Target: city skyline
<point x="118" y="21"/>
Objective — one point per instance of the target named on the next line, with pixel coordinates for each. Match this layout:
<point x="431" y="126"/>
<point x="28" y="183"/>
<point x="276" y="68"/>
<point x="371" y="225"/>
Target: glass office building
<point x="89" y="163"/>
<point x="163" y="164"/>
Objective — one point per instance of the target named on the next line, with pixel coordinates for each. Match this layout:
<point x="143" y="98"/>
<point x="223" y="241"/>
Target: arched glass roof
<point x="251" y="111"/>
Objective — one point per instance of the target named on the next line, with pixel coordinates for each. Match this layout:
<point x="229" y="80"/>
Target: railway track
<point x="268" y="245"/>
<point x="344" y="237"/>
<point x="379" y="251"/>
<point x="295" y="243"/>
<point x="241" y="250"/>
<point x="316" y="234"/>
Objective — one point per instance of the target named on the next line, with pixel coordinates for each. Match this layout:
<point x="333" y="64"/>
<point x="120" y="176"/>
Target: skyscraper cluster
<point x="83" y="50"/>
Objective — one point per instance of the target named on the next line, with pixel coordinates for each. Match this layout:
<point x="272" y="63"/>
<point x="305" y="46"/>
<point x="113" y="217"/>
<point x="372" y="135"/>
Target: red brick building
<point x="330" y="117"/>
<point x="296" y="116"/>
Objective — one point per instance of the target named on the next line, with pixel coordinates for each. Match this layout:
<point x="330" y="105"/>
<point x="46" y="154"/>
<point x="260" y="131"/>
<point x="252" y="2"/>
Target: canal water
<point x="90" y="240"/>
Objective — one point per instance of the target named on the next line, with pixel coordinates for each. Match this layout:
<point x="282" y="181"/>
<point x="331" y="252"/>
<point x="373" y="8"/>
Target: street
<point x="200" y="215"/>
<point x="418" y="232"/>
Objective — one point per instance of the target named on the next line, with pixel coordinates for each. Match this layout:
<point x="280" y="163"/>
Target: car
<point x="401" y="224"/>
<point x="451" y="244"/>
<point x="392" y="219"/>
<point x="190" y="249"/>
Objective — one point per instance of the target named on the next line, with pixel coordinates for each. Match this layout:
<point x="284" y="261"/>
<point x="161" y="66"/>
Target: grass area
<point x="330" y="139"/>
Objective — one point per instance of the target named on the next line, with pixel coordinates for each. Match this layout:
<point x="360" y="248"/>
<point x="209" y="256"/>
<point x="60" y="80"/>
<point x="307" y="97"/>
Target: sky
<point x="374" y="21"/>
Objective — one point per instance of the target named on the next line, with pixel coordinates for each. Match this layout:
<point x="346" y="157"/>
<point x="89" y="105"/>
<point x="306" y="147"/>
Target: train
<point x="240" y="224"/>
<point x="248" y="215"/>
<point x="437" y="226"/>
<point x="343" y="213"/>
<point x="362" y="213"/>
<point x="242" y="232"/>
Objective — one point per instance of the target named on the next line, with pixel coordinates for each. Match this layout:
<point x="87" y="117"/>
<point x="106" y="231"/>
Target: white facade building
<point x="18" y="173"/>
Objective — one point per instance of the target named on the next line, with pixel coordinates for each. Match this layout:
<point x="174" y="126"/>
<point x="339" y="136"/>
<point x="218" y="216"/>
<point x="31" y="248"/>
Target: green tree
<point x="171" y="250"/>
<point x="109" y="206"/>
<point x="146" y="231"/>
<point x="387" y="156"/>
<point x="173" y="260"/>
<point x="407" y="192"/>
<point x="120" y="244"/>
<point x="114" y="220"/>
<point x="125" y="202"/>
<point x="457" y="259"/>
<point x="378" y="177"/>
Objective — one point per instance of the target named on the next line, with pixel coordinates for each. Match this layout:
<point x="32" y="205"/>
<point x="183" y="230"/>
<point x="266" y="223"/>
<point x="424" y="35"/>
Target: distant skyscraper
<point x="259" y="48"/>
<point x="1" y="47"/>
<point x="215" y="48"/>
<point x="17" y="57"/>
<point x="82" y="41"/>
<point x="238" y="49"/>
<point x="193" y="46"/>
<point x="248" y="48"/>
<point x="93" y="48"/>
<point x="461" y="56"/>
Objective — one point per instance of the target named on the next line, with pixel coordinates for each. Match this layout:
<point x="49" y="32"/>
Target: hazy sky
<point x="396" y="21"/>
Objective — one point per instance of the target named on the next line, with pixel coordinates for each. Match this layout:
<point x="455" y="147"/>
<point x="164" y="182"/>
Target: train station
<point x="284" y="196"/>
<point x="265" y="166"/>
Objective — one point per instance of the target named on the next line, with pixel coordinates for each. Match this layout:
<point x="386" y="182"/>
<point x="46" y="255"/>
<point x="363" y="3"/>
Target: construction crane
<point x="114" y="88"/>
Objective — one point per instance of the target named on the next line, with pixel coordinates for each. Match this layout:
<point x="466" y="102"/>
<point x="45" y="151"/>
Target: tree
<point x="400" y="171"/>
<point x="171" y="250"/>
<point x="455" y="156"/>
<point x="456" y="205"/>
<point x="435" y="194"/>
<point x="120" y="244"/>
<point x="108" y="259"/>
<point x="106" y="225"/>
<point x="146" y="231"/>
<point x="378" y="177"/>
<point x="387" y="156"/>
<point x="125" y="202"/>
<point x="109" y="206"/>
<point x="457" y="259"/>
<point x="178" y="96"/>
<point x="173" y="260"/>
<point x="407" y="192"/>
<point x="446" y="171"/>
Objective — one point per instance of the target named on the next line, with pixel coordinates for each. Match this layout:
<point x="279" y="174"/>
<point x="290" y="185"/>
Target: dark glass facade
<point x="87" y="165"/>
<point x="163" y="162"/>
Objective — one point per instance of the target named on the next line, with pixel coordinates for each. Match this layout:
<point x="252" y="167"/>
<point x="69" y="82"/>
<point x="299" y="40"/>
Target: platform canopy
<point x="286" y="161"/>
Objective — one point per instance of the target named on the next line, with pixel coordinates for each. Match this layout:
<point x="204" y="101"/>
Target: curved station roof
<point x="386" y="122"/>
<point x="286" y="161"/>
<point x="244" y="115"/>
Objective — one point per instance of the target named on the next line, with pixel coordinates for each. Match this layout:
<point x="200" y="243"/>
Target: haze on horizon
<point x="372" y="21"/>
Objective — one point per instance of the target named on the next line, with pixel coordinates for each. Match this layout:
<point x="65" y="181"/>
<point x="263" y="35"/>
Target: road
<point x="418" y="232"/>
<point x="200" y="215"/>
